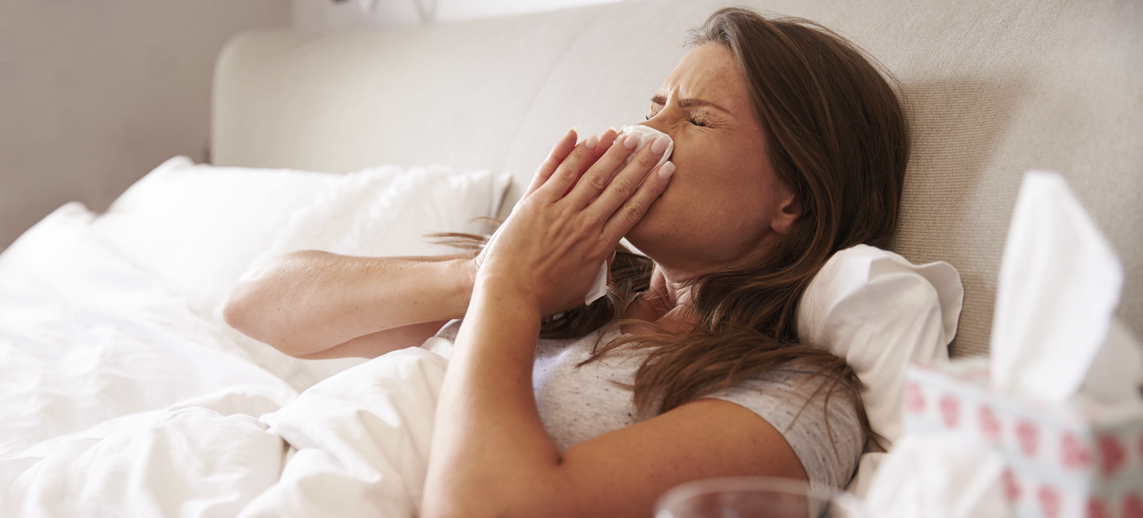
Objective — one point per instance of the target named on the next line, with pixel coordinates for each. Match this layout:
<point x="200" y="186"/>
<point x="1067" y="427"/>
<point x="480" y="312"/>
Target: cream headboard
<point x="994" y="89"/>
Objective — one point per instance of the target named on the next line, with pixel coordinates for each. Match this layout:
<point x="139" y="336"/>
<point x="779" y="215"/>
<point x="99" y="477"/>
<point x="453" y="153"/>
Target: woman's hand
<point x="570" y="220"/>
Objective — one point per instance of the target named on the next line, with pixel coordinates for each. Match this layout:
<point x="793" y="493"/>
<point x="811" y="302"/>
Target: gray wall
<point x="96" y="93"/>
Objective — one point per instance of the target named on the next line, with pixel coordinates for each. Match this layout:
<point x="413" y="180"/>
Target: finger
<point x="567" y="174"/>
<point x="627" y="180"/>
<point x="596" y="179"/>
<point x="563" y="147"/>
<point x="634" y="208"/>
<point x="605" y="141"/>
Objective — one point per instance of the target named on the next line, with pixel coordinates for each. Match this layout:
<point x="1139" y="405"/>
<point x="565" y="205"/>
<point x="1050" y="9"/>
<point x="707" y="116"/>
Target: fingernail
<point x="666" y="170"/>
<point x="591" y="141"/>
<point x="659" y="145"/>
<point x="612" y="128"/>
<point x="631" y="141"/>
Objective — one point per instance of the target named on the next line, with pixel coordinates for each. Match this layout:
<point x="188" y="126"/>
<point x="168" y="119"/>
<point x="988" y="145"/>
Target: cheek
<point x="713" y="179"/>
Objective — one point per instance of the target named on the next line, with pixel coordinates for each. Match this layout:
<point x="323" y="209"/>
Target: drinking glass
<point x="754" y="497"/>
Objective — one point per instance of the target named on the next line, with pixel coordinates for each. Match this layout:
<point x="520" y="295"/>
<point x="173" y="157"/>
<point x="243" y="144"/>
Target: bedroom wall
<point x="96" y="93"/>
<point x="328" y="14"/>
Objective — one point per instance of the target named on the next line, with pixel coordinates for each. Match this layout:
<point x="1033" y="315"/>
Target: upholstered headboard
<point x="994" y="89"/>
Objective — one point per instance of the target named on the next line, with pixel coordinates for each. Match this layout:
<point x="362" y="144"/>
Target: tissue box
<point x="1083" y="459"/>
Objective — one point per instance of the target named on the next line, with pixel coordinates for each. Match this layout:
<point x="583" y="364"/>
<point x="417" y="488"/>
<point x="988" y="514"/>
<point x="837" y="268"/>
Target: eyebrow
<point x="687" y="103"/>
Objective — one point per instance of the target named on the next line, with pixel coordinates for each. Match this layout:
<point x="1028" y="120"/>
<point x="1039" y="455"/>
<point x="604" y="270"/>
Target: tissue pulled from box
<point x="1058" y="289"/>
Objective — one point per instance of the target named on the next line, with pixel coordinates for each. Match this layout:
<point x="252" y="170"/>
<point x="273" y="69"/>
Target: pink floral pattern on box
<point x="1064" y="461"/>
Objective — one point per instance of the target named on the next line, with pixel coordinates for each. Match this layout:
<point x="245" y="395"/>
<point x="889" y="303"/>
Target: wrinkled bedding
<point x="116" y="398"/>
<point x="123" y="393"/>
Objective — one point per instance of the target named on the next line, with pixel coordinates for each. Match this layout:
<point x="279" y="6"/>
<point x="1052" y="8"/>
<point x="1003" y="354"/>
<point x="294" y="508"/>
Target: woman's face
<point x="724" y="204"/>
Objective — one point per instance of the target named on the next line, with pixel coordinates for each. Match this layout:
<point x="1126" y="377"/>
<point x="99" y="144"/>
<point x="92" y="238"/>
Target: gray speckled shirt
<point x="579" y="403"/>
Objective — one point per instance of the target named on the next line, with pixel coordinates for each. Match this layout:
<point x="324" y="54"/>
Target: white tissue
<point x="1117" y="370"/>
<point x="1059" y="286"/>
<point x="646" y="134"/>
<point x="599" y="287"/>
<point x="938" y="475"/>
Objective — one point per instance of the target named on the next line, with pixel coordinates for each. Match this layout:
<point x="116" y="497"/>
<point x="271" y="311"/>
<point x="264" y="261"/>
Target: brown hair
<point x="837" y="135"/>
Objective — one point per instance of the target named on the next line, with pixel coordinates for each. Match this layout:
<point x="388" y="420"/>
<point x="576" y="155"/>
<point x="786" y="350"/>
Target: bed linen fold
<point x="119" y="399"/>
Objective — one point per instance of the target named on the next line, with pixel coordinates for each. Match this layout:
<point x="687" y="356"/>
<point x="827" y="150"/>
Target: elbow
<point x="238" y="311"/>
<point x="234" y="311"/>
<point x="266" y="304"/>
<point x="242" y="314"/>
<point x="245" y="311"/>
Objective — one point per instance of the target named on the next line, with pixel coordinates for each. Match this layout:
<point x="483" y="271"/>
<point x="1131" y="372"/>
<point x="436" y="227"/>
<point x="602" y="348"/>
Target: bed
<point x="123" y="393"/>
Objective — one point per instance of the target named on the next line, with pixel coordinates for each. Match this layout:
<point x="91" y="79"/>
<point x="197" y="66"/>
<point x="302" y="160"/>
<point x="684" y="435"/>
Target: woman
<point x="788" y="146"/>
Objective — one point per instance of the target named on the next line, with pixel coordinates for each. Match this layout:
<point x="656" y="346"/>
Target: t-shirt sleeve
<point x="828" y="448"/>
<point x="450" y="330"/>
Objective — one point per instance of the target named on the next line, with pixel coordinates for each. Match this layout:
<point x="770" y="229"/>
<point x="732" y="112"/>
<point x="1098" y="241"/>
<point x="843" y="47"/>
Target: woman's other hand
<point x="313" y="304"/>
<point x="571" y="218"/>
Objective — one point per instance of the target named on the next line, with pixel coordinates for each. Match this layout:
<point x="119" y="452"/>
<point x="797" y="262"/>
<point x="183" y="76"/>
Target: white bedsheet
<point x="117" y="398"/>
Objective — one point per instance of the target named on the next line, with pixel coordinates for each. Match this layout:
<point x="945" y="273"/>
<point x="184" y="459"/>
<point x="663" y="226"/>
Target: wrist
<point x="462" y="276"/>
<point x="506" y="292"/>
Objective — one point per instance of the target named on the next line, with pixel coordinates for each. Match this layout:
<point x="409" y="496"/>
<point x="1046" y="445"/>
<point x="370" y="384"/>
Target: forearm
<point x="488" y="440"/>
<point x="308" y="302"/>
<point x="491" y="455"/>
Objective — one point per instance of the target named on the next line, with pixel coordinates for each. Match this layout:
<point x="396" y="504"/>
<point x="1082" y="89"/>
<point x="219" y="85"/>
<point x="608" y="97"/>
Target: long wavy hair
<point x="837" y="135"/>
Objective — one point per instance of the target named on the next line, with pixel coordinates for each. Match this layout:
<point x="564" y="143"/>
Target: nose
<point x="647" y="133"/>
<point x="657" y="124"/>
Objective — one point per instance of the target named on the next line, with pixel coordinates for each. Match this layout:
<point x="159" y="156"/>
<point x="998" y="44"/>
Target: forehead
<point x="709" y="72"/>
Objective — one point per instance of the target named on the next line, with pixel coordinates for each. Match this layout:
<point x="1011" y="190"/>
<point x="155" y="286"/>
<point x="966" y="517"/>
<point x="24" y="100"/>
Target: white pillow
<point x="880" y="312"/>
<point x="199" y="227"/>
<point x="378" y="213"/>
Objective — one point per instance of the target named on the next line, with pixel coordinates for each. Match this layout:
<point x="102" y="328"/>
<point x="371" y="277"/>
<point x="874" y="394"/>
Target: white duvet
<point x="123" y="395"/>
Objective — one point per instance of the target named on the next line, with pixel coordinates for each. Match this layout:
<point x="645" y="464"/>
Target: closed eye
<point x="697" y="119"/>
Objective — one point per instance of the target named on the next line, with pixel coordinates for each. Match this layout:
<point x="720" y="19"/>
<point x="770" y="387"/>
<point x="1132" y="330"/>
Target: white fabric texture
<point x="197" y="228"/>
<point x="880" y="312"/>
<point x="123" y="394"/>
